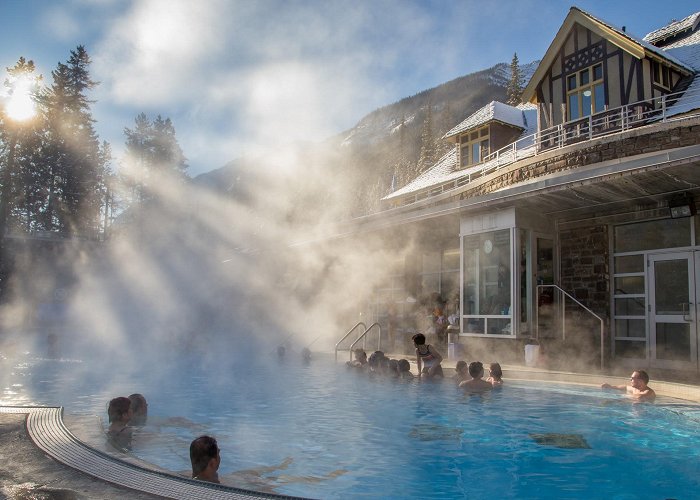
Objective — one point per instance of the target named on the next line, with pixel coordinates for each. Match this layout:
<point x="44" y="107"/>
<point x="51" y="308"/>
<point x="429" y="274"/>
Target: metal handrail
<point x="602" y="323"/>
<point x="346" y="336"/>
<point x="604" y="123"/>
<point x="379" y="342"/>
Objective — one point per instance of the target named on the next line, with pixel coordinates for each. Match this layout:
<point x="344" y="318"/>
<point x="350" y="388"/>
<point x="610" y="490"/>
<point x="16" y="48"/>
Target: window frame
<point x="578" y="90"/>
<point x="471" y="139"/>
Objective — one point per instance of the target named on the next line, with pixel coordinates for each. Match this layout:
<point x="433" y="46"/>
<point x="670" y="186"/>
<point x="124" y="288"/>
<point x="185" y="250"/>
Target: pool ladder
<point x="361" y="337"/>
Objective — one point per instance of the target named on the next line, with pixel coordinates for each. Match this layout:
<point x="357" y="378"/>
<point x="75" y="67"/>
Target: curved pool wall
<point x="349" y="435"/>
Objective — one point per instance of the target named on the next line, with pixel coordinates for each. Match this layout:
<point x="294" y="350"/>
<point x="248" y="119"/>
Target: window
<point x="486" y="292"/>
<point x="585" y="93"/>
<point x="474" y="147"/>
<point x="661" y="74"/>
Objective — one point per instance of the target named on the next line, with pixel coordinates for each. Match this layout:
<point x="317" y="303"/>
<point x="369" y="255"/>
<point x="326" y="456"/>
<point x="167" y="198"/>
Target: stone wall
<point x="584" y="264"/>
<point x="644" y="140"/>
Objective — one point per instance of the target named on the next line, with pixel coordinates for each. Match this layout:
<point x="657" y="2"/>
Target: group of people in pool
<point x="469" y="377"/>
<point x="125" y="413"/>
<point x="429" y="363"/>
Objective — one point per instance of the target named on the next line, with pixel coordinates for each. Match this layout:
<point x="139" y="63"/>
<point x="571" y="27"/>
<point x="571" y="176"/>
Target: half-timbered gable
<point x="591" y="67"/>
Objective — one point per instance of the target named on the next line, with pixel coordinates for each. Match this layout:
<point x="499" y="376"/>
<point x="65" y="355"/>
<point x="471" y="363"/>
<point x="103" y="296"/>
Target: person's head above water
<point x="495" y="370"/>
<point x="476" y="369"/>
<point x="205" y="458"/>
<point x="118" y="410"/>
<point x="461" y="366"/>
<point x="139" y="407"/>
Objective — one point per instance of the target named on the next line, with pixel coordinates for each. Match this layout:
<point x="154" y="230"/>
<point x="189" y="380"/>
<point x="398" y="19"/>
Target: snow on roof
<point x="646" y="45"/>
<point x="673" y="28"/>
<point x="686" y="49"/>
<point x="439" y="173"/>
<point x="446" y="169"/>
<point x="493" y="111"/>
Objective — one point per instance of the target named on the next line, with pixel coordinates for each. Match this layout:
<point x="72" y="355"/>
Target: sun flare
<point x="20" y="105"/>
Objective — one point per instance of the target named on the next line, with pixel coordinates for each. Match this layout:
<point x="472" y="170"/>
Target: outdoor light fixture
<point x="681" y="206"/>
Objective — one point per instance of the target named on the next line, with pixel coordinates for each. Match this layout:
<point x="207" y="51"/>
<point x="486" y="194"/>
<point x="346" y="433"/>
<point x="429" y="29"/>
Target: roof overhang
<point x="613" y="188"/>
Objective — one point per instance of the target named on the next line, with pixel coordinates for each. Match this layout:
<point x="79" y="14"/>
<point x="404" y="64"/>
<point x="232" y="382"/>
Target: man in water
<point x="638" y="388"/>
<point x="476" y="383"/>
<point x="205" y="458"/>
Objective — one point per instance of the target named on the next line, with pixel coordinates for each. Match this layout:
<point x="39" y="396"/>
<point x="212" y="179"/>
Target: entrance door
<point x="673" y="310"/>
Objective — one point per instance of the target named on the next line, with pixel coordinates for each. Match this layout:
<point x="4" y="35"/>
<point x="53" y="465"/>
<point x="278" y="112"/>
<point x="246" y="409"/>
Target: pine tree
<point x="72" y="150"/>
<point x="514" y="91"/>
<point x="152" y="151"/>
<point x="20" y="144"/>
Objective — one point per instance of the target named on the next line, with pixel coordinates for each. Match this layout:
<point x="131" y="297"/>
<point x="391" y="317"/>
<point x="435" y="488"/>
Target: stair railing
<point x="347" y="335"/>
<point x="563" y="317"/>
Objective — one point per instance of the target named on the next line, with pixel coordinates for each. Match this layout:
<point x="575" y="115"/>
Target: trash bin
<point x="532" y="354"/>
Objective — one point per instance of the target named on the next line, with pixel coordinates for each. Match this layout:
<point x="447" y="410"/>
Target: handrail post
<point x="346" y="336"/>
<point x="663" y="108"/>
<point x="590" y="127"/>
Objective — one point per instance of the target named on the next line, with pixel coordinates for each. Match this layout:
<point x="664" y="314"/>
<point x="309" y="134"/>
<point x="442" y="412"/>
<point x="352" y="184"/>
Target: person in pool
<point x="428" y="358"/>
<point x="404" y="369"/>
<point x="360" y="360"/>
<point x="495" y="375"/>
<point x="476" y="384"/>
<point x="638" y="388"/>
<point x="206" y="458"/>
<point x="461" y="372"/>
<point x="139" y="409"/>
<point x="119" y="413"/>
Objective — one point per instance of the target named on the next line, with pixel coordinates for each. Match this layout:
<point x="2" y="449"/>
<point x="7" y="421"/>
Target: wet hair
<point x="461" y="365"/>
<point x="360" y="352"/>
<point x="495" y="369"/>
<point x="418" y="339"/>
<point x="202" y="450"/>
<point x="643" y="375"/>
<point x="375" y="359"/>
<point x="140" y="408"/>
<point x="393" y="366"/>
<point x="475" y="368"/>
<point x="404" y="365"/>
<point x="118" y="407"/>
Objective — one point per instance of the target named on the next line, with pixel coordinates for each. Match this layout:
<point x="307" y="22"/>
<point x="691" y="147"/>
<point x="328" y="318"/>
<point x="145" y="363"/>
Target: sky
<point x="241" y="77"/>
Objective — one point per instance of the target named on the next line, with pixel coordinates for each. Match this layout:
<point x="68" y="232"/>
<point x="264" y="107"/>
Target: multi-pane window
<point x="585" y="92"/>
<point x="474" y="147"/>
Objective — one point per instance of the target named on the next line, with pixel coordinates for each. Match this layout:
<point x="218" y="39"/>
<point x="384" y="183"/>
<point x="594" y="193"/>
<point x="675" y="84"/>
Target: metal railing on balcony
<point x="670" y="107"/>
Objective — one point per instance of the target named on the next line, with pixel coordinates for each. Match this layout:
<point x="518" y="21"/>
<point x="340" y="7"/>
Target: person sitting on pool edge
<point x="119" y="432"/>
<point x="476" y="384"/>
<point x="206" y="458"/>
<point x="638" y="389"/>
<point x="428" y="358"/>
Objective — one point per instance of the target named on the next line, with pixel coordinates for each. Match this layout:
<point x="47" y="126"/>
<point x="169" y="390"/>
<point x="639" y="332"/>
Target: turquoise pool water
<point x="325" y="432"/>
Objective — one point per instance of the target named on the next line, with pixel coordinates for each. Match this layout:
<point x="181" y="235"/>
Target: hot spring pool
<point x="325" y="432"/>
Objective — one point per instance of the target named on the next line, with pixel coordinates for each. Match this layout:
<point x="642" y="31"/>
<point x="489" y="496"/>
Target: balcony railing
<point x="666" y="108"/>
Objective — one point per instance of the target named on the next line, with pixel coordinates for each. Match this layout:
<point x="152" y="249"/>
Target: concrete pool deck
<point x="42" y="458"/>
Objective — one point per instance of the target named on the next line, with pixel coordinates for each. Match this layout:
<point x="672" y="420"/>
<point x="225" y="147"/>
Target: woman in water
<point x="427" y="358"/>
<point x="495" y="375"/>
<point x="119" y="432"/>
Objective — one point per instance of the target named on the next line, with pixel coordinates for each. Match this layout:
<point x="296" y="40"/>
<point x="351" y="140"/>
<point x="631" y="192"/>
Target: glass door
<point x="673" y="310"/>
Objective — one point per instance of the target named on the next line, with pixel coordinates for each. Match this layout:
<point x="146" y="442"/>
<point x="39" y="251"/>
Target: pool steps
<point x="48" y="432"/>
